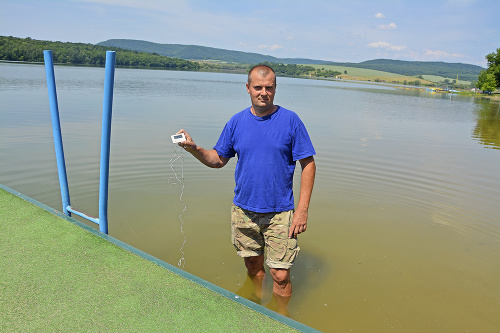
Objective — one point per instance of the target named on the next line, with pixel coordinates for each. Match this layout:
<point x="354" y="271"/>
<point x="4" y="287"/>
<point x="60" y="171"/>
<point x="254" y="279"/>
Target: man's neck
<point x="259" y="112"/>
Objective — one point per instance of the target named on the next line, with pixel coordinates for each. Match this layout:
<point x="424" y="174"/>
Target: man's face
<point x="261" y="90"/>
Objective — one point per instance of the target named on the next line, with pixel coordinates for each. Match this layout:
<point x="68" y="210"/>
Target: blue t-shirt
<point x="267" y="149"/>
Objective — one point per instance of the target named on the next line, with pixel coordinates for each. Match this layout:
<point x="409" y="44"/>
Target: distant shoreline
<point x="225" y="71"/>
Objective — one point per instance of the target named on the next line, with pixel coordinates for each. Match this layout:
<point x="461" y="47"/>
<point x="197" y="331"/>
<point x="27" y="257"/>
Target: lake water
<point x="404" y="225"/>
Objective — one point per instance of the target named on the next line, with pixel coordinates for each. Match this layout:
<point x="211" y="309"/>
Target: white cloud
<point x="387" y="46"/>
<point x="387" y="26"/>
<point x="379" y="15"/>
<point x="442" y="54"/>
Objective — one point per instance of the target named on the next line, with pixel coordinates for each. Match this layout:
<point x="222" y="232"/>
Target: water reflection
<point x="487" y="130"/>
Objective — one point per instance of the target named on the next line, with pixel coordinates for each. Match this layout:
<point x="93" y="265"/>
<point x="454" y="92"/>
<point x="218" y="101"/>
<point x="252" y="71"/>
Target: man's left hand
<point x="299" y="224"/>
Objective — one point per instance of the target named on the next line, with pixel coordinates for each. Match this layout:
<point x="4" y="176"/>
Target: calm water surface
<point x="404" y="229"/>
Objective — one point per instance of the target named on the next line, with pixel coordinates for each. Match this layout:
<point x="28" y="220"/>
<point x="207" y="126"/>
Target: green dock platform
<point x="60" y="275"/>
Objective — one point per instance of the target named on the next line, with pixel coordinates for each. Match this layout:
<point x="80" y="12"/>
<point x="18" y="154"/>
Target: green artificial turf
<point x="56" y="276"/>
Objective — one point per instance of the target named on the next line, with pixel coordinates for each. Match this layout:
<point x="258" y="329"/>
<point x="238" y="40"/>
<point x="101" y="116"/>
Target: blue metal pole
<point x="109" y="79"/>
<point x="56" y="130"/>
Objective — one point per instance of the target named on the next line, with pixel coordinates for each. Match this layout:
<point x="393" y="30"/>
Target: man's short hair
<point x="262" y="70"/>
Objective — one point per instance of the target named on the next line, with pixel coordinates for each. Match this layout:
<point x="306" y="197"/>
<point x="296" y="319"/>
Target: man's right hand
<point x="208" y="157"/>
<point x="189" y="144"/>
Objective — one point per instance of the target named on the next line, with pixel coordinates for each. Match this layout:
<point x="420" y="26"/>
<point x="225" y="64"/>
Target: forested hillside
<point x="31" y="50"/>
<point x="465" y="72"/>
<point x="196" y="52"/>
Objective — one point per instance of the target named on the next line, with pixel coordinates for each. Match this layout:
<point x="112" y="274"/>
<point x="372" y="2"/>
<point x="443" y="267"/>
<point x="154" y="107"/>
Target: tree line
<point x="489" y="79"/>
<point x="31" y="50"/>
<point x="288" y="70"/>
<point x="298" y="70"/>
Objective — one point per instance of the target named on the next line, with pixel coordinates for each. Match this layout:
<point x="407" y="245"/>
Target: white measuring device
<point x="180" y="137"/>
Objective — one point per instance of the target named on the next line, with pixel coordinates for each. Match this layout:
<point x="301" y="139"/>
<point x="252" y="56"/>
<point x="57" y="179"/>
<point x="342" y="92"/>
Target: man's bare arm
<point x="299" y="223"/>
<point x="208" y="157"/>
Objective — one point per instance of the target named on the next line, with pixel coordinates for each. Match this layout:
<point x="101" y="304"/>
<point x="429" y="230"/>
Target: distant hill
<point x="196" y="52"/>
<point x="465" y="72"/>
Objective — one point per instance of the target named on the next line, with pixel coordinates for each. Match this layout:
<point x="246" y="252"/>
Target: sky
<point x="462" y="31"/>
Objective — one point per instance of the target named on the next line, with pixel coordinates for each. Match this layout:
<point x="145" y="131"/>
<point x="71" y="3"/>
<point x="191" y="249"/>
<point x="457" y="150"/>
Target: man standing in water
<point x="268" y="140"/>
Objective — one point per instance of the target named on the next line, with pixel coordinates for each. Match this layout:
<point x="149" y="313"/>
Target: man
<point x="268" y="140"/>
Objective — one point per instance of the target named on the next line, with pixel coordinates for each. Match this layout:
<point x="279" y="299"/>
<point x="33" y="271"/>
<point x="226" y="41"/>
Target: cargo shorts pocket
<point x="283" y="256"/>
<point x="245" y="234"/>
<point x="292" y="250"/>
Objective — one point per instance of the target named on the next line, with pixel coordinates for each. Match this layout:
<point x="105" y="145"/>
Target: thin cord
<point x="180" y="181"/>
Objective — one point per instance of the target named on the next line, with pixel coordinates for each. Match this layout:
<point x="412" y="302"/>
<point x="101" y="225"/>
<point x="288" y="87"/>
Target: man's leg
<point x="282" y="289"/>
<point x="281" y="254"/>
<point x="256" y="273"/>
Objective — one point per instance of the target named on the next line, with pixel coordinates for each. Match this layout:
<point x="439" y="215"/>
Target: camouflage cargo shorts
<point x="256" y="233"/>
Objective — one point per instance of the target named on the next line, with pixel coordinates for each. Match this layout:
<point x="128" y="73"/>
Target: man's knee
<point x="282" y="286"/>
<point x="281" y="276"/>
